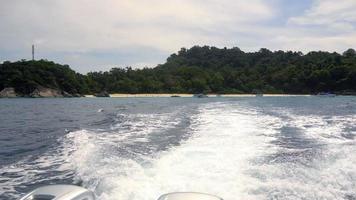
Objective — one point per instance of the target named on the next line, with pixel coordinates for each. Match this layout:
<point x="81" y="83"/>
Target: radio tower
<point x="33" y="52"/>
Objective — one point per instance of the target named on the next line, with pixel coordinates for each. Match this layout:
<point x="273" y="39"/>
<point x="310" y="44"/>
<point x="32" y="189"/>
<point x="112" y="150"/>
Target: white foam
<point x="329" y="173"/>
<point x="227" y="154"/>
<point x="82" y="151"/>
<point x="214" y="160"/>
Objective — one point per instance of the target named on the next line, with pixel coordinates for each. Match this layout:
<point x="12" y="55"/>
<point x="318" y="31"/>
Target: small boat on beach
<point x="201" y="95"/>
<point x="326" y="94"/>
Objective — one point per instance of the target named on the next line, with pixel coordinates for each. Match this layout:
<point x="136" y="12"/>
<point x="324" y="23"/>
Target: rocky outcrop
<point x="102" y="94"/>
<point x="8" y="92"/>
<point x="46" y="92"/>
<point x="77" y="95"/>
<point x="66" y="94"/>
<point x="39" y="92"/>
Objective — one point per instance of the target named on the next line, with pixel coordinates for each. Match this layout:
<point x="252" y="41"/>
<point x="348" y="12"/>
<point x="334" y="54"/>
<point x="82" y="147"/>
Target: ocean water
<point x="139" y="148"/>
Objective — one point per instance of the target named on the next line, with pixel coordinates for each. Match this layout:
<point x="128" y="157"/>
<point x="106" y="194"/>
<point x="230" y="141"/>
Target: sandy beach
<point x="191" y="95"/>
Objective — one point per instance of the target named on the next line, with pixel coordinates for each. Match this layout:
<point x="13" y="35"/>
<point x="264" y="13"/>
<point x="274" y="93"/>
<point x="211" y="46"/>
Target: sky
<point x="96" y="35"/>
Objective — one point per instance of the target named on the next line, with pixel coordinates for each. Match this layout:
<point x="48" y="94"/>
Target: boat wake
<point x="228" y="149"/>
<point x="214" y="159"/>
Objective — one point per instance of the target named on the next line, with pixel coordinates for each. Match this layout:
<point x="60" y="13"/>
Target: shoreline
<point x="192" y="95"/>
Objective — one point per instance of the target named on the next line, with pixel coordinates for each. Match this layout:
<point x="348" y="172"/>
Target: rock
<point x="347" y="93"/>
<point x="8" y="92"/>
<point x="77" y="95"/>
<point x="46" y="92"/>
<point x="102" y="94"/>
<point x="40" y="91"/>
<point x="66" y="94"/>
<point x="201" y="95"/>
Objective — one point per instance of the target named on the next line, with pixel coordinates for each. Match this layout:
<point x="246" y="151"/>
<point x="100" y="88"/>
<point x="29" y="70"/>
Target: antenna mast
<point x="33" y="52"/>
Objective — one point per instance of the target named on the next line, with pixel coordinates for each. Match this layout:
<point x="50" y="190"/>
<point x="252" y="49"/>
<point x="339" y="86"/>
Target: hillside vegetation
<point x="26" y="76"/>
<point x="199" y="70"/>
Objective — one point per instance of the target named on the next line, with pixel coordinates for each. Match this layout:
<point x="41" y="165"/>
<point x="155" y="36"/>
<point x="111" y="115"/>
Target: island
<point x="198" y="70"/>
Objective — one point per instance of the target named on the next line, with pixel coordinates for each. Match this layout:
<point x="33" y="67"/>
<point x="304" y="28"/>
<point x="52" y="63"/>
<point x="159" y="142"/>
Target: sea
<point x="248" y="148"/>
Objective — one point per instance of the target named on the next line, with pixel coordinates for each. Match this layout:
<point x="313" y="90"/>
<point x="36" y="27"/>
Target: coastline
<point x="191" y="95"/>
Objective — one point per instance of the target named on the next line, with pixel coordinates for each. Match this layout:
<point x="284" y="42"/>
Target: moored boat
<point x="200" y="95"/>
<point x="326" y="94"/>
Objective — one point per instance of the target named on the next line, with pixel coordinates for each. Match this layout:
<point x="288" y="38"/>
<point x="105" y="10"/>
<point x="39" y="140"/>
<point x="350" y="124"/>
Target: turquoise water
<point x="140" y="148"/>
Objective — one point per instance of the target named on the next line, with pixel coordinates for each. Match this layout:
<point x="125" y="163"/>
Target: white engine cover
<point x="60" y="192"/>
<point x="188" y="196"/>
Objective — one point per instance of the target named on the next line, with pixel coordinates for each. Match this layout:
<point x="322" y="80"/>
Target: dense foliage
<point x="200" y="69"/>
<point x="25" y="76"/>
<point x="214" y="70"/>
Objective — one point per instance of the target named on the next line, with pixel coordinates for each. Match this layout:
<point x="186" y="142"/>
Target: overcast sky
<point x="93" y="35"/>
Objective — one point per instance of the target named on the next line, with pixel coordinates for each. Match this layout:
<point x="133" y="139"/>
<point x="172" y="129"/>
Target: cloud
<point x="92" y="34"/>
<point x="326" y="11"/>
<point x="90" y="24"/>
<point x="86" y="26"/>
<point x="326" y="25"/>
<point x="337" y="15"/>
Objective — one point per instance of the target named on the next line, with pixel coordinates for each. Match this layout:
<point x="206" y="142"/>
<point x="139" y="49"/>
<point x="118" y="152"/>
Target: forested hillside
<point x="26" y="76"/>
<point x="199" y="69"/>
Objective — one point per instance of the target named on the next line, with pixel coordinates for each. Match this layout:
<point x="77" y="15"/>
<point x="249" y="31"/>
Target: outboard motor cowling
<point x="188" y="196"/>
<point x="59" y="192"/>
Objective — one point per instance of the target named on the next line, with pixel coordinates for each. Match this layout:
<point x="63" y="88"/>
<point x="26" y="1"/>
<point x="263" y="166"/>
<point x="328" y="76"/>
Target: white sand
<point x="191" y="95"/>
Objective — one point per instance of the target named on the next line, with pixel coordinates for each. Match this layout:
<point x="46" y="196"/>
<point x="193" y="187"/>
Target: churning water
<point x="140" y="148"/>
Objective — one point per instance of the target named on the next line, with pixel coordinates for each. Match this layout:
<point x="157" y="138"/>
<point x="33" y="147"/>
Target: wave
<point x="230" y="149"/>
<point x="215" y="158"/>
<point x="234" y="152"/>
<point x="127" y="136"/>
<point x="313" y="158"/>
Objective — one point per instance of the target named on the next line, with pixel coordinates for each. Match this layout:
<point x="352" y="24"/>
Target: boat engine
<point x="188" y="196"/>
<point x="71" y="192"/>
<point x="60" y="192"/>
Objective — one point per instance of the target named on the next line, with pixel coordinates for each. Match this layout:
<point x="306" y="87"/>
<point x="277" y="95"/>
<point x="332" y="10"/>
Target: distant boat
<point x="175" y="96"/>
<point x="102" y="94"/>
<point x="326" y="94"/>
<point x="200" y="95"/>
<point x="258" y="93"/>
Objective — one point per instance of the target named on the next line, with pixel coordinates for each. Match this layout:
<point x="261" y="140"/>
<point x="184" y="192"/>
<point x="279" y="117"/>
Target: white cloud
<point x="90" y="24"/>
<point x="326" y="25"/>
<point x="81" y="26"/>
<point x="340" y="14"/>
<point x="72" y="31"/>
